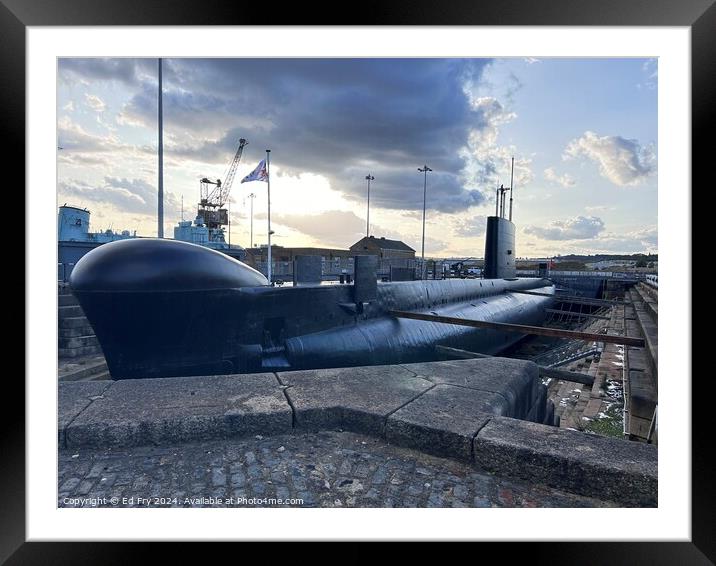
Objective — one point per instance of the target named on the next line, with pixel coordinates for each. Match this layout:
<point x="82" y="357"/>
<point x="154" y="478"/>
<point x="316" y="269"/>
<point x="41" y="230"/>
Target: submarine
<point x="166" y="308"/>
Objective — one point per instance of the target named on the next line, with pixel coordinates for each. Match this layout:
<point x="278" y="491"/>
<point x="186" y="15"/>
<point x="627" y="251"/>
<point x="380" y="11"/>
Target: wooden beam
<point x="522" y="328"/>
<point x="580" y="314"/>
<point x="554" y="373"/>
<point x="571" y="298"/>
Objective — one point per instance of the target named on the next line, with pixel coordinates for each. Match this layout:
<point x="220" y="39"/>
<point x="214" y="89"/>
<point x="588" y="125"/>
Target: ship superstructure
<point x="74" y="238"/>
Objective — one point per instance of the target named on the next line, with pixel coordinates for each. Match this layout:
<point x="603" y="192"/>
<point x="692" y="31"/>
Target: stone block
<point x="588" y="464"/>
<point x="72" y="399"/>
<point x="180" y="409"/>
<point x="517" y="381"/>
<point x="357" y="399"/>
<point x="444" y="420"/>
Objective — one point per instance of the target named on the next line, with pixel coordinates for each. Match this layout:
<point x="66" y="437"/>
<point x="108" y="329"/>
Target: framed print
<point x="289" y="276"/>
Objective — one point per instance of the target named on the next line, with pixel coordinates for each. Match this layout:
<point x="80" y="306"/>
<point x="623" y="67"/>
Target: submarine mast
<point x="500" y="237"/>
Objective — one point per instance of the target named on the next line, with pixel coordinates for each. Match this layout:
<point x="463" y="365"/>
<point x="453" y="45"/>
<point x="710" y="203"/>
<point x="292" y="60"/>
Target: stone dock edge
<point x="412" y="405"/>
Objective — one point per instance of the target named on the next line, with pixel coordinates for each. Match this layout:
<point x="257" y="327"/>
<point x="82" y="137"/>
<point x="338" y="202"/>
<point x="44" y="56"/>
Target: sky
<point x="583" y="133"/>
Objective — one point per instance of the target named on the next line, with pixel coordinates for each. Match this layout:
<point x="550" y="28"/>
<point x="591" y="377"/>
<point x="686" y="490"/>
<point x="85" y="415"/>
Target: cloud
<point x="651" y="75"/>
<point x="95" y="103"/>
<point x="643" y="240"/>
<point x="532" y="60"/>
<point x="492" y="115"/>
<point x="84" y="149"/>
<point x="497" y="80"/>
<point x="334" y="227"/>
<point x="489" y="163"/>
<point x="339" y="118"/>
<point x="123" y="70"/>
<point x="648" y="235"/>
<point x="128" y="195"/>
<point x="577" y="228"/>
<point x="471" y="227"/>
<point x="622" y="161"/>
<point x="565" y="179"/>
<point x="75" y="138"/>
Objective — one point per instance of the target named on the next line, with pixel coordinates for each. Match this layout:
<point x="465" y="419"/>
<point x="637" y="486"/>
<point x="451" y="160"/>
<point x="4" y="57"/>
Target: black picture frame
<point x="699" y="15"/>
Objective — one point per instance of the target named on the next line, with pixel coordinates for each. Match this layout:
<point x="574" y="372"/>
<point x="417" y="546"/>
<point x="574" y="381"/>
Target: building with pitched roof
<point x="383" y="248"/>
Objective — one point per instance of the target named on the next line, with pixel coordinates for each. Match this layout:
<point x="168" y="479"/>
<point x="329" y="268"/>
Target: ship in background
<point x="74" y="237"/>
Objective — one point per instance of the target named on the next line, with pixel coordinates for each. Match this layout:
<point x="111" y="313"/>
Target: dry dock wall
<point x="471" y="410"/>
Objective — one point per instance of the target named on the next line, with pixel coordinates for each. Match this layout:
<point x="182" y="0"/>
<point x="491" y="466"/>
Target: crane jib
<point x="231" y="173"/>
<point x="214" y="194"/>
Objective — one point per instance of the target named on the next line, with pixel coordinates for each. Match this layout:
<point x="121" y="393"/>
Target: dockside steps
<point x="79" y="351"/>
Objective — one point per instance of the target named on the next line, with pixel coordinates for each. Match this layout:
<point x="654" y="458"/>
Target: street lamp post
<point x="367" y="222"/>
<point x="424" y="170"/>
<point x="268" y="191"/>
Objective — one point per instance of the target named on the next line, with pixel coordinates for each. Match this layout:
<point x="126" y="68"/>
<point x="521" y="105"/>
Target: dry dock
<point x="461" y="433"/>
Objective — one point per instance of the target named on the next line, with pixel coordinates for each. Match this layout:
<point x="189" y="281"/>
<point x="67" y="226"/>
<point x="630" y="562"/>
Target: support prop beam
<point x="523" y="328"/>
<point x="564" y="375"/>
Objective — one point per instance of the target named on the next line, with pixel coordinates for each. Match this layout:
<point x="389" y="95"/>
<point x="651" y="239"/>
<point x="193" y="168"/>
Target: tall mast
<point x="160" y="146"/>
<point x="512" y="185"/>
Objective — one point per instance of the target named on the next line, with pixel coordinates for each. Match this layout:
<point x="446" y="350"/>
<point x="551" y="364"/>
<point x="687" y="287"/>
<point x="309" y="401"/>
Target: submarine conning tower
<point x="500" y="237"/>
<point x="499" y="249"/>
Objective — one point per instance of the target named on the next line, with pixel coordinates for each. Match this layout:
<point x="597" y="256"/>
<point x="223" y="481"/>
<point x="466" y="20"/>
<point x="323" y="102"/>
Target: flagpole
<point x="268" y="174"/>
<point x="370" y="178"/>
<point x="252" y="196"/>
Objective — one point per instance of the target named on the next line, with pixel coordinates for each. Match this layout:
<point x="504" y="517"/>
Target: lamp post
<point x="424" y="170"/>
<point x="268" y="175"/>
<point x="369" y="178"/>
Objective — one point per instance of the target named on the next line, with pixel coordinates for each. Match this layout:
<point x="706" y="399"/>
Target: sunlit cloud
<point x="623" y="161"/>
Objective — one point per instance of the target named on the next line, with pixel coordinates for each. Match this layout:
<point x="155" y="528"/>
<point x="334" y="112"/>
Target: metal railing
<point x="334" y="268"/>
<point x="603" y="274"/>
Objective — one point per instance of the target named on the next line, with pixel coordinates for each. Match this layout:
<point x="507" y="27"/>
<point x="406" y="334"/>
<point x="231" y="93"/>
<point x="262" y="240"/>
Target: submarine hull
<point x="388" y="340"/>
<point x="162" y="308"/>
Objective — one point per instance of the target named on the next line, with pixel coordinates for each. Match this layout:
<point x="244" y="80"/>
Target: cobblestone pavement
<point x="326" y="469"/>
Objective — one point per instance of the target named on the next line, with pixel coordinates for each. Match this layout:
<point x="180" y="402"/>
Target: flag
<point x="258" y="174"/>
